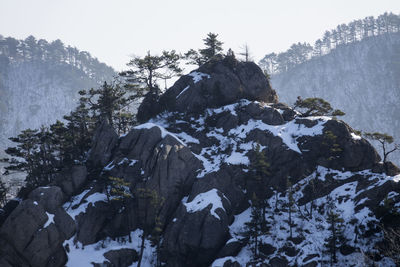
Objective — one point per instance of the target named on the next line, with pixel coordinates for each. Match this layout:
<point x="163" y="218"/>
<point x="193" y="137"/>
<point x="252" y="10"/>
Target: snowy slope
<point x="347" y="195"/>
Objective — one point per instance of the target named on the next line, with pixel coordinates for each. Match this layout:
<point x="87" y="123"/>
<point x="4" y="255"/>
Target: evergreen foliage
<point x="43" y="153"/>
<point x="212" y="48"/>
<point x="258" y="173"/>
<point x="110" y="103"/>
<point x="33" y="50"/>
<point x="336" y="239"/>
<point x="259" y="167"/>
<point x="290" y="206"/>
<point x="118" y="189"/>
<point x="316" y="107"/>
<point x="343" y="34"/>
<point x="256" y="227"/>
<point x="330" y="142"/>
<point x="384" y="139"/>
<point x="3" y="193"/>
<point x="147" y="71"/>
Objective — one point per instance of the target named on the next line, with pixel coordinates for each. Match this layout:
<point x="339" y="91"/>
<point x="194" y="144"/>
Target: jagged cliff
<point x="187" y="182"/>
<point x="360" y="78"/>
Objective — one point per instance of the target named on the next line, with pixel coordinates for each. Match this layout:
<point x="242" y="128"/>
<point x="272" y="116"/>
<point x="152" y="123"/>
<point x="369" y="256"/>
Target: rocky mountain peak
<point x="219" y="82"/>
<point x="182" y="187"/>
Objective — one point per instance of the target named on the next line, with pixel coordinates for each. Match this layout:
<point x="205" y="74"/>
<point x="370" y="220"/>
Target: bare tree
<point x="245" y="52"/>
<point x="390" y="245"/>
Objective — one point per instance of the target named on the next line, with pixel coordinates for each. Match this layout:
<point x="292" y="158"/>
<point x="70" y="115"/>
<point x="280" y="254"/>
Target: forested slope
<point x="39" y="82"/>
<point x="362" y="78"/>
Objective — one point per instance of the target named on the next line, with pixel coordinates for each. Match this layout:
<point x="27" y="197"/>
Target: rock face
<point x="104" y="141"/>
<point x="34" y="232"/>
<point x="181" y="189"/>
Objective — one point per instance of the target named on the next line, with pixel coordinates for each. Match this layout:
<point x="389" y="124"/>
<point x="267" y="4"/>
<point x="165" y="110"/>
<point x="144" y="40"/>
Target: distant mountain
<point x="40" y="80"/>
<point x="361" y="77"/>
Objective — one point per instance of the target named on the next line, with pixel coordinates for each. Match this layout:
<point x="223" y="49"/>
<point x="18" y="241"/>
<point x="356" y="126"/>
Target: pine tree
<point x="316" y="107"/>
<point x="260" y="166"/>
<point x="256" y="226"/>
<point x="118" y="189"/>
<point x="290" y="205"/>
<point x="212" y="47"/>
<point x="76" y="134"/>
<point x="145" y="72"/>
<point x="3" y="193"/>
<point x="257" y="180"/>
<point x="384" y="140"/>
<point x="336" y="238"/>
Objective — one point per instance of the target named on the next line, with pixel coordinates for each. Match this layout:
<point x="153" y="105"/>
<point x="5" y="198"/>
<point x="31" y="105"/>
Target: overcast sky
<point x="114" y="30"/>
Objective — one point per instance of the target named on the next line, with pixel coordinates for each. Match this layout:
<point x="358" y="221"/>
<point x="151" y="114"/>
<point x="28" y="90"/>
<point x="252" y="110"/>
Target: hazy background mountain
<point x="356" y="67"/>
<point x="39" y="82"/>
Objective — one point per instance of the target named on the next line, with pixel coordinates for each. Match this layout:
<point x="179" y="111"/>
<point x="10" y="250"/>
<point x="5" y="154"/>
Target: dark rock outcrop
<point x="49" y="197"/>
<point x="194" y="232"/>
<point x="36" y="230"/>
<point x="104" y="140"/>
<point x="71" y="180"/>
<point x="336" y="148"/>
<point x="216" y="83"/>
<point x="22" y="224"/>
<point x="158" y="164"/>
<point x="91" y="222"/>
<point x="121" y="258"/>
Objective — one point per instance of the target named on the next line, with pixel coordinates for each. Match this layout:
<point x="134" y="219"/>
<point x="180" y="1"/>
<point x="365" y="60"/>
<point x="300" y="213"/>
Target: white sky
<point x="114" y="30"/>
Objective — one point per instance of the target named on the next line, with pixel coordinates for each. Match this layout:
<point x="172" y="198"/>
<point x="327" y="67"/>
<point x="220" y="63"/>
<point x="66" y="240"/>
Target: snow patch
<point x="84" y="256"/>
<point x="73" y="211"/>
<point x="237" y="158"/>
<point x="198" y="76"/>
<point x="164" y="132"/>
<point x="355" y="137"/>
<point x="203" y="200"/>
<point x="50" y="219"/>
<point x="288" y="132"/>
<point x="184" y="90"/>
<point x="187" y="138"/>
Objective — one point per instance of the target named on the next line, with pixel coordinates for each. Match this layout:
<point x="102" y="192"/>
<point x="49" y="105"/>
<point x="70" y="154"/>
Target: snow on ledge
<point x="50" y="219"/>
<point x="184" y="90"/>
<point x="164" y="132"/>
<point x="73" y="211"/>
<point x="85" y="256"/>
<point x="288" y="132"/>
<point x="237" y="158"/>
<point x="198" y="76"/>
<point x="203" y="200"/>
<point x="355" y="137"/>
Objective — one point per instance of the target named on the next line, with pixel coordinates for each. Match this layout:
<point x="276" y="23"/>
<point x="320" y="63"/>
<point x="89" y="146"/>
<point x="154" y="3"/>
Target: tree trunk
<point x="141" y="250"/>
